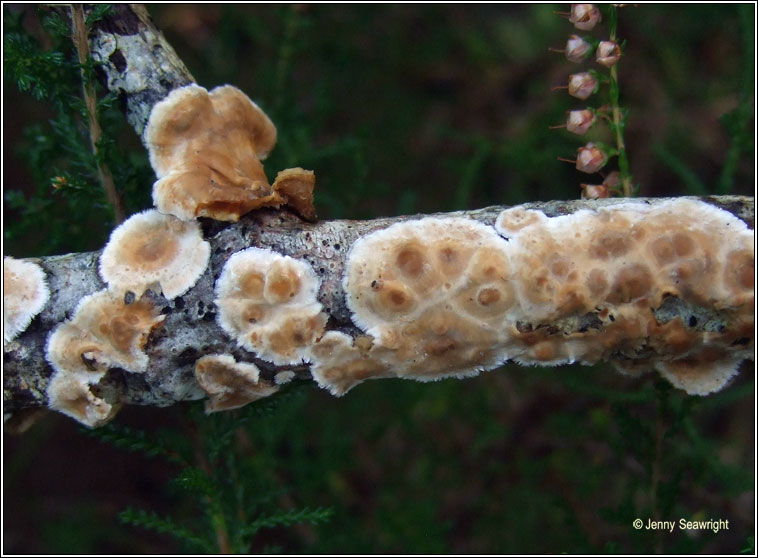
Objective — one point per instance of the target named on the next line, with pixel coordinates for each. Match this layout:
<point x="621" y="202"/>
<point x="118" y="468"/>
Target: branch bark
<point x="190" y="329"/>
<point x="139" y="64"/>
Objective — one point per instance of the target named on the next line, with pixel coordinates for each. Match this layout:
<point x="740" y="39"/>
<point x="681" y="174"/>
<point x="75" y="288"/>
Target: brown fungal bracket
<point x="206" y="150"/>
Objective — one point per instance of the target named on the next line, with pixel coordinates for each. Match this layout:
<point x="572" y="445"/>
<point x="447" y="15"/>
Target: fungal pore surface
<point x="230" y="384"/>
<point x="267" y="302"/>
<point x="25" y="294"/>
<point x="104" y="333"/>
<point x="632" y="283"/>
<point x="154" y="251"/>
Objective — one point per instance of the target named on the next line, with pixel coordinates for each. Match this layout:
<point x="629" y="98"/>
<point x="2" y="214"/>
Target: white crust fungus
<point x="206" y="149"/>
<point x="267" y="302"/>
<point x="154" y="251"/>
<point x="447" y="297"/>
<point x="25" y="294"/>
<point x="230" y="384"/>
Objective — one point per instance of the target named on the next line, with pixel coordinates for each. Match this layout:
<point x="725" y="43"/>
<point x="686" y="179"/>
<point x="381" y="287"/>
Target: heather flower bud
<point x="594" y="191"/>
<point x="613" y="180"/>
<point x="577" y="49"/>
<point x="579" y="121"/>
<point x="590" y="159"/>
<point x="608" y="53"/>
<point x="582" y="85"/>
<point x="584" y="16"/>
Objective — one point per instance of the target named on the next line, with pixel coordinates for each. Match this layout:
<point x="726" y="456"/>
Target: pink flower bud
<point x="579" y="121"/>
<point x="612" y="180"/>
<point x="594" y="191"/>
<point x="584" y="16"/>
<point x="590" y="159"/>
<point x="577" y="49"/>
<point x="608" y="53"/>
<point x="582" y="85"/>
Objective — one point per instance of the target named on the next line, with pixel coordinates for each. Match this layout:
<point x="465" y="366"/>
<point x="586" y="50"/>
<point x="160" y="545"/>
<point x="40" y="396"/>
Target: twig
<point x="90" y="100"/>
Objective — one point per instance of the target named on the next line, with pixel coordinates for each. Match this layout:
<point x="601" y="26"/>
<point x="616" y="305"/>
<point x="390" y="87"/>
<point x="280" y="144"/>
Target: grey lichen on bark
<point x="135" y="60"/>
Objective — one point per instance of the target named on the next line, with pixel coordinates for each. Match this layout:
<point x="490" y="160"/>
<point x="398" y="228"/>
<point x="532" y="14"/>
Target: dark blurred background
<point x="405" y="109"/>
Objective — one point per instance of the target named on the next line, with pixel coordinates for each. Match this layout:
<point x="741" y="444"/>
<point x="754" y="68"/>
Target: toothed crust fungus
<point x="448" y="297"/>
<point x="154" y="251"/>
<point x="25" y="294"/>
<point x="267" y="302"/>
<point x="206" y="149"/>
<point x="230" y="384"/>
<point x="103" y="333"/>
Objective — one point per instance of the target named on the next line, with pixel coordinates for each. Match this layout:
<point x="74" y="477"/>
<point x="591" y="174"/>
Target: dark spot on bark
<point x="243" y="231"/>
<point x="336" y="246"/>
<point x="166" y="310"/>
<point x="523" y="327"/>
<point x="321" y="270"/>
<point x="187" y="356"/>
<point x="611" y="318"/>
<point x="179" y="303"/>
<point x="722" y="328"/>
<point x="325" y="242"/>
<point x="120" y="20"/>
<point x="200" y="305"/>
<point x="118" y="60"/>
<point x="129" y="297"/>
<point x="209" y="317"/>
<point x="692" y="321"/>
<point x="742" y="341"/>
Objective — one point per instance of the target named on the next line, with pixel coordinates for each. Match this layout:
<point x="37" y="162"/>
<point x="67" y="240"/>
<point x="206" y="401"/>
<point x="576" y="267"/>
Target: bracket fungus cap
<point x="72" y="395"/>
<point x="103" y="333"/>
<point x="154" y="251"/>
<point x="230" y="384"/>
<point x="25" y="294"/>
<point x="206" y="149"/>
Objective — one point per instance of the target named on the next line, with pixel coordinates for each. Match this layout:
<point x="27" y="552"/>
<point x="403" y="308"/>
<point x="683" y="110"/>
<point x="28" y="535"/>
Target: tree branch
<point x="137" y="62"/>
<point x="190" y="329"/>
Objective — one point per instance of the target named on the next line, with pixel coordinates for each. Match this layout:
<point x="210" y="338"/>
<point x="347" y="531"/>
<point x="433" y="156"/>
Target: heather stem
<point x="618" y="118"/>
<point x="90" y="100"/>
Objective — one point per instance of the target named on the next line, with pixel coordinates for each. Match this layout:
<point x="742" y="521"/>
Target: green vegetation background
<point x="403" y="109"/>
